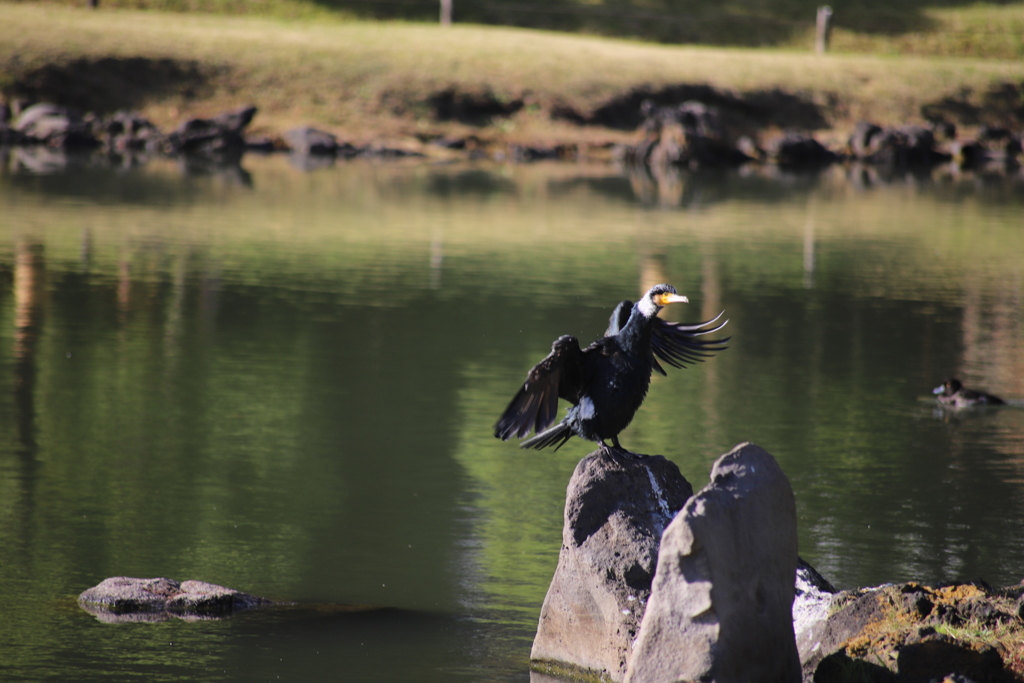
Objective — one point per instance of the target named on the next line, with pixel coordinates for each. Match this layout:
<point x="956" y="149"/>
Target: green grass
<point x="372" y="79"/>
<point x="923" y="27"/>
<point x="1006" y="638"/>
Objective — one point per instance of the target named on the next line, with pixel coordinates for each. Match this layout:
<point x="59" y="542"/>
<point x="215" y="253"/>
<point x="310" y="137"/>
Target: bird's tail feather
<point x="558" y="434"/>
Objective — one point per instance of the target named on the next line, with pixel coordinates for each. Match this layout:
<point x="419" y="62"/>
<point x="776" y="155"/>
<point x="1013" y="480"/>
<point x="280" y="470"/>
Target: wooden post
<point x="446" y="12"/>
<point x="93" y="4"/>
<point x="822" y="28"/>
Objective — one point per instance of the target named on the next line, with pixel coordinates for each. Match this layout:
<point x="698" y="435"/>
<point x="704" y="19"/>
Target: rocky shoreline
<point x="689" y="135"/>
<point x="127" y="135"/>
<point x="694" y="135"/>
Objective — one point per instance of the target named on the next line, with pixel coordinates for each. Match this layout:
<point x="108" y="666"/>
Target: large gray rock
<point x="123" y="598"/>
<point x="721" y="605"/>
<point x="616" y="507"/>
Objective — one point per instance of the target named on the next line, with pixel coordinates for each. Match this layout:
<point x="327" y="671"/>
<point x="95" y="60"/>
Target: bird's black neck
<point x="637" y="330"/>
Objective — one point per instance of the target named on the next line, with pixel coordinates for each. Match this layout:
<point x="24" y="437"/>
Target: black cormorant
<point x="953" y="393"/>
<point x="607" y="381"/>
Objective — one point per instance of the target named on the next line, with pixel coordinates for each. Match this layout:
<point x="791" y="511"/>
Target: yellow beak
<point x="666" y="299"/>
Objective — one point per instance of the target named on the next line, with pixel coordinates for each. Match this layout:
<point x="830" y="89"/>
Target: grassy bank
<point x="373" y="80"/>
<point x="919" y="27"/>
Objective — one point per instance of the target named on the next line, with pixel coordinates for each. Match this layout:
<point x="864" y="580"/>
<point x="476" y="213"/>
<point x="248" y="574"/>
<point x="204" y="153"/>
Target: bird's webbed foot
<point x="617" y="449"/>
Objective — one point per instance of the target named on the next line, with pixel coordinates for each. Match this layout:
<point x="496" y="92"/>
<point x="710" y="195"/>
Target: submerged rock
<point x="123" y="598"/>
<point x="722" y="598"/>
<point x="616" y="508"/>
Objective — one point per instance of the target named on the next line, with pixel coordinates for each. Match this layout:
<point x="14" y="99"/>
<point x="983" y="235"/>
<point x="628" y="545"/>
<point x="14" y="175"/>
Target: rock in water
<point x="721" y="603"/>
<point x="123" y="598"/>
<point x="617" y="505"/>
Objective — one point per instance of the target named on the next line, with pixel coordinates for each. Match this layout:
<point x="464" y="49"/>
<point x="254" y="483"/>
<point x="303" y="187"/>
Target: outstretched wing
<point x="680" y="345"/>
<point x="535" y="405"/>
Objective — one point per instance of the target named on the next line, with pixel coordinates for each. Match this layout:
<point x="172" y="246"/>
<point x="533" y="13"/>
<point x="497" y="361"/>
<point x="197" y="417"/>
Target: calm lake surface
<point x="285" y="382"/>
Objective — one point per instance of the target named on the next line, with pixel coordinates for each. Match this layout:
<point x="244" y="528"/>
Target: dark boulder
<point x="970" y="154"/>
<point x="721" y="603"/>
<point x="693" y="117"/>
<point x="862" y="141"/>
<point x="617" y="505"/>
<point x="127" y="131"/>
<point x="905" y="146"/>
<point x="220" y="135"/>
<point x="689" y="135"/>
<point x="800" y="151"/>
<point x="992" y="154"/>
<point x="692" y="151"/>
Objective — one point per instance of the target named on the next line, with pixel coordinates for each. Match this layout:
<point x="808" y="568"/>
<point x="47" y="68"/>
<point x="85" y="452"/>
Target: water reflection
<point x="288" y="385"/>
<point x="672" y="187"/>
<point x="29" y="275"/>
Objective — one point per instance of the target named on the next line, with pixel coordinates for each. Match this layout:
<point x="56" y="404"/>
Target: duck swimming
<point x="954" y="394"/>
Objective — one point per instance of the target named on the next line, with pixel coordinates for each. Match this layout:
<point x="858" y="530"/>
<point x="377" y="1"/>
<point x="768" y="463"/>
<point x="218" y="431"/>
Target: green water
<point x="285" y="382"/>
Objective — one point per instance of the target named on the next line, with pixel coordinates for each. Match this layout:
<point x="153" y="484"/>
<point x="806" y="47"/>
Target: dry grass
<point x="372" y="78"/>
